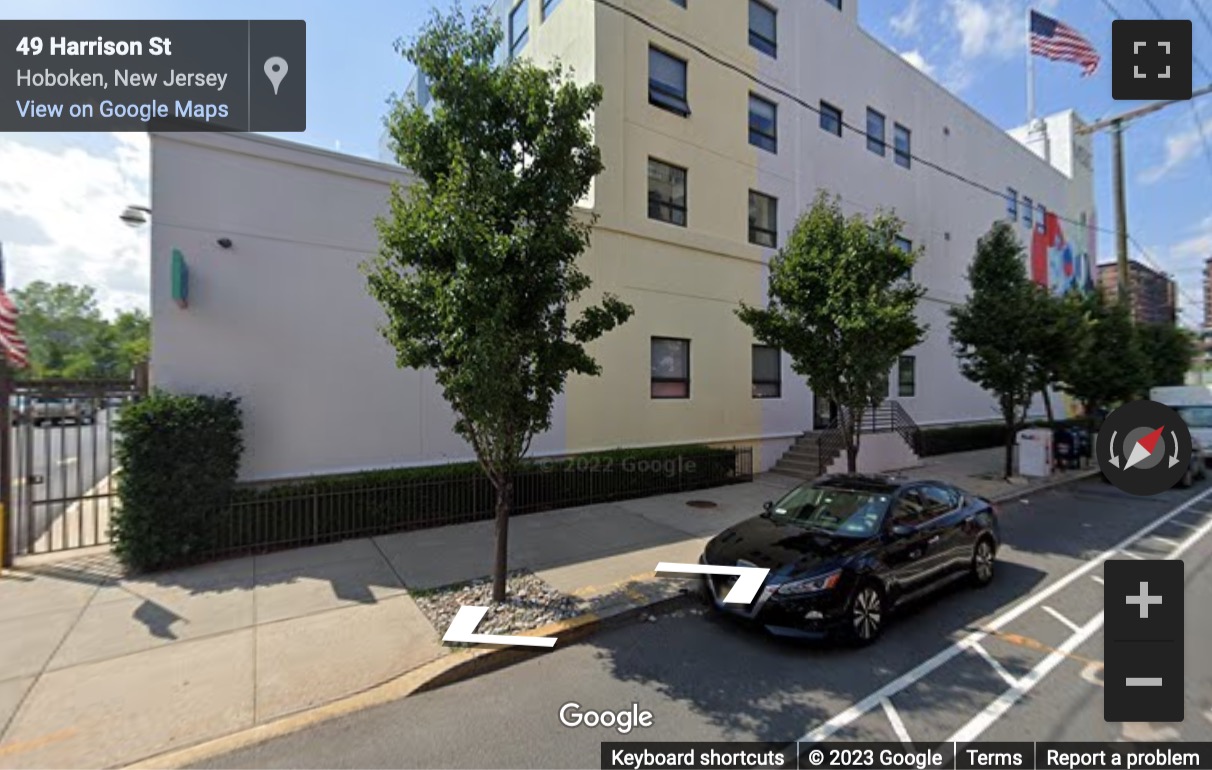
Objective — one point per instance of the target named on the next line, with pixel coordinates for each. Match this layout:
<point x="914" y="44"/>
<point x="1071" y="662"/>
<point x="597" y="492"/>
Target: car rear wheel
<point x="1188" y="478"/>
<point x="865" y="615"/>
<point x="982" y="562"/>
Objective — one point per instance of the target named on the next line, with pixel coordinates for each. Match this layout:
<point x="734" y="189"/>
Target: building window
<point x="1041" y="223"/>
<point x="901" y="146"/>
<point x="679" y="2"/>
<point x="835" y="3"/>
<point x="875" y="132"/>
<point x="548" y="7"/>
<point x="767" y="372"/>
<point x="906" y="377"/>
<point x="1028" y="211"/>
<point x="519" y="27"/>
<point x="763" y="28"/>
<point x="666" y="193"/>
<point x="763" y="219"/>
<point x="905" y="245"/>
<point x="667" y="82"/>
<point x="1012" y="204"/>
<point x="831" y="118"/>
<point x="763" y="123"/>
<point x="670" y="368"/>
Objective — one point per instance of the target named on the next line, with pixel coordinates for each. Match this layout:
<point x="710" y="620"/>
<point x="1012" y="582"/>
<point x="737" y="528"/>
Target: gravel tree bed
<point x="530" y="603"/>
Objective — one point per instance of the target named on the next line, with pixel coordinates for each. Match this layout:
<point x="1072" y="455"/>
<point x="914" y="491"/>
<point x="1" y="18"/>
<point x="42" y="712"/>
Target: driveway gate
<point x="61" y="437"/>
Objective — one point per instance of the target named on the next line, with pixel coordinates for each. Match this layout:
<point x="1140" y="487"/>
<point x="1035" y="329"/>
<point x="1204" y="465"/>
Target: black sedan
<point x="844" y="550"/>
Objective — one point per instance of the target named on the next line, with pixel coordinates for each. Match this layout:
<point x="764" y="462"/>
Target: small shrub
<point x="962" y="438"/>
<point x="179" y="456"/>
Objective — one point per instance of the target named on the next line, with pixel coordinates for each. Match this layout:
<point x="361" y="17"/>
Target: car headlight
<point x="811" y="585"/>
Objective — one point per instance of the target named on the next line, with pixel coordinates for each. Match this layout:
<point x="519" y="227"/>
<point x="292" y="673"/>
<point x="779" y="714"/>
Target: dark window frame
<point x="517" y="44"/>
<point x="902" y="158"/>
<point x="669" y="205"/>
<point x="777" y="382"/>
<point x="1028" y="209"/>
<point x="830" y="112"/>
<point x="878" y="146"/>
<point x="835" y="3"/>
<point x="1012" y="204"/>
<point x="906" y="387"/>
<point x="773" y="233"/>
<point x="653" y="380"/>
<point x="768" y="141"/>
<point x="548" y="6"/>
<point x="681" y="3"/>
<point x="663" y="95"/>
<point x="766" y="45"/>
<point x="1041" y="223"/>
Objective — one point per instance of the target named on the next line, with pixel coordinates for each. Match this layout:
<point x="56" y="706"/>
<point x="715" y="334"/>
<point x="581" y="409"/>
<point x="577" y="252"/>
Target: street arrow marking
<point x="1114" y="457"/>
<point x="1174" y="457"/>
<point x="748" y="581"/>
<point x="463" y="629"/>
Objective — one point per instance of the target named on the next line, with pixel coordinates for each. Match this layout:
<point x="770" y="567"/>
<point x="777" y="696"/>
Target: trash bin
<point x="1034" y="452"/>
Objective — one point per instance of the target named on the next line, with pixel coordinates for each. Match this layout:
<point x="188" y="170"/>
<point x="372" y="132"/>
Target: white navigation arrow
<point x="1174" y="457"/>
<point x="748" y="581"/>
<point x="1114" y="457"/>
<point x="1139" y="453"/>
<point x="463" y="629"/>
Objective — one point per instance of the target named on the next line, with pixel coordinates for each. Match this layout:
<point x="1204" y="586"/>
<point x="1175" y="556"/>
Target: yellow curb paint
<point x="1033" y="644"/>
<point x="392" y="690"/>
<point x="36" y="743"/>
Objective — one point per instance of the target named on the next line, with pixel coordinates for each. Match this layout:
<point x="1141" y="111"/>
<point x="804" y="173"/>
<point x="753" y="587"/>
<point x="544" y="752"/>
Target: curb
<point x="1050" y="484"/>
<point x="443" y="671"/>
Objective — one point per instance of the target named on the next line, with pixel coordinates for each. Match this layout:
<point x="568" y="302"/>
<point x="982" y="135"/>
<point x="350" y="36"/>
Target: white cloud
<point x="907" y="23"/>
<point x="988" y="27"/>
<point x="1198" y="246"/>
<point x="60" y="196"/>
<point x="1181" y="146"/>
<point x="917" y="59"/>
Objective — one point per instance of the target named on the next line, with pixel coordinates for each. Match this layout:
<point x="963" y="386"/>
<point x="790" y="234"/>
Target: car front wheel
<point x="982" y="562"/>
<point x="865" y="616"/>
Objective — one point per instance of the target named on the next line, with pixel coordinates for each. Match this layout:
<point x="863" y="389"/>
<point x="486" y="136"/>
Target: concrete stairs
<point x="803" y="460"/>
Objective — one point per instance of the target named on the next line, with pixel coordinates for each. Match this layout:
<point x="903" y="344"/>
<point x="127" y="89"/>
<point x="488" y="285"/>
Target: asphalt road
<point x="1018" y="660"/>
<point x="52" y="466"/>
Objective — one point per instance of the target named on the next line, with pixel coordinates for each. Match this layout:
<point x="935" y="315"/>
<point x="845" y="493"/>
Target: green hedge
<point x="965" y="438"/>
<point x="179" y="456"/>
<point x="326" y="508"/>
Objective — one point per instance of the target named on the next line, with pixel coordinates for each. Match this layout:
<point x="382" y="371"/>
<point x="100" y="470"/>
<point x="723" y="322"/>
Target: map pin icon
<point x="275" y="70"/>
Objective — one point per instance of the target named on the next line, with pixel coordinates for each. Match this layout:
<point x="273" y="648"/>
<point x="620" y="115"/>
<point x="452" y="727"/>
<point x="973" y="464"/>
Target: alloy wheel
<point x="867" y="614"/>
<point x="982" y="562"/>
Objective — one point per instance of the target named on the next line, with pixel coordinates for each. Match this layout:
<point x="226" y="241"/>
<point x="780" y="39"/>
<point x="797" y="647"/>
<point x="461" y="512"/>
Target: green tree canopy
<point x="1108" y="366"/>
<point x="477" y="264"/>
<point x="1169" y="350"/>
<point x="69" y="337"/>
<point x="841" y="305"/>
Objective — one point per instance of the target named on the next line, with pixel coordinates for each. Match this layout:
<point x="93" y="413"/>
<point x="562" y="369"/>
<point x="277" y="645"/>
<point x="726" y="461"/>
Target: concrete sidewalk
<point x="101" y="670"/>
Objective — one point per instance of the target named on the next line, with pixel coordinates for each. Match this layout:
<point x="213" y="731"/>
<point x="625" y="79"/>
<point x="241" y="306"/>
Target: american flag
<point x="1058" y="41"/>
<point x="11" y="340"/>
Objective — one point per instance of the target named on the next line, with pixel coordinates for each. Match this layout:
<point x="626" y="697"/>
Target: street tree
<point x="476" y="270"/>
<point x="841" y="304"/>
<point x="1108" y="366"/>
<point x="1169" y="350"/>
<point x="995" y="331"/>
<point x="1055" y="334"/>
<point x="68" y="336"/>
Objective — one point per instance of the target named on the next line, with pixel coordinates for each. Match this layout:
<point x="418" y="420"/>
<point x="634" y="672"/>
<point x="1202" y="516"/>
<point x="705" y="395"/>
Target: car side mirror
<point x="768" y="506"/>
<point x="900" y="530"/>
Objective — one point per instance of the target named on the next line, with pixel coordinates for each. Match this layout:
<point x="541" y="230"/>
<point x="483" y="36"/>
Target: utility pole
<point x="1116" y="125"/>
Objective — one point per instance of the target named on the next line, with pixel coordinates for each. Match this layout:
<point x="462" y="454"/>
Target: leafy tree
<point x="68" y="337"/>
<point x="1108" y="367"/>
<point x="995" y="332"/>
<point x="1169" y="350"/>
<point x="1055" y="334"/>
<point x="477" y="263"/>
<point x="840" y="305"/>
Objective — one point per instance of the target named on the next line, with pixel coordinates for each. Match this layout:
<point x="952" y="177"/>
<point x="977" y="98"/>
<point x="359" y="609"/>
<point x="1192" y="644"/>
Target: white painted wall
<point x="878" y="452"/>
<point x="282" y="319"/>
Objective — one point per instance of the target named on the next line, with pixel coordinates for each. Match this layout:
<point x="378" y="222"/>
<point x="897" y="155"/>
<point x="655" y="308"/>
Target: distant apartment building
<point x="1154" y="294"/>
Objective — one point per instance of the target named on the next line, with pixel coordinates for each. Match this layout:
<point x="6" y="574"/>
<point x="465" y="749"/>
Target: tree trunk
<point x="853" y="424"/>
<point x="1048" y="406"/>
<point x="501" y="565"/>
<point x="1009" y="413"/>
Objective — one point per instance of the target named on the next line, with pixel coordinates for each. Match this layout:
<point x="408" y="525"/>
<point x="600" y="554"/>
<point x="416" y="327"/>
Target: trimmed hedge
<point x="179" y="457"/>
<point x="965" y="438"/>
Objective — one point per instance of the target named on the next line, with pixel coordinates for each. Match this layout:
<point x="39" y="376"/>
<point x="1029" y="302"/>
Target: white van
<point x="1194" y="404"/>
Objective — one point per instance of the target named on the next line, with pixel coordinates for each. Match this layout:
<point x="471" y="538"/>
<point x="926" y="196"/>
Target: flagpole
<point x="6" y="450"/>
<point x="1030" y="74"/>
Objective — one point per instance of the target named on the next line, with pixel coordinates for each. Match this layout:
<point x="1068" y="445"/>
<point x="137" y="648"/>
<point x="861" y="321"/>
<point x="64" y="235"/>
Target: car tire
<point x="866" y="614"/>
<point x="984" y="560"/>
<point x="1188" y="478"/>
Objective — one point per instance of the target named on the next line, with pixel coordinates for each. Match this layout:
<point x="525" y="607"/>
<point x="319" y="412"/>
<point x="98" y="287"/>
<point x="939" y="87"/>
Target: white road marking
<point x="898" y="726"/>
<point x="844" y="718"/>
<point x="1006" y="676"/>
<point x="991" y="713"/>
<point x="1097" y="579"/>
<point x="1131" y="555"/>
<point x="1165" y="540"/>
<point x="1064" y="620"/>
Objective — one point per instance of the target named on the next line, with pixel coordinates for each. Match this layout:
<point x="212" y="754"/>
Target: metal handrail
<point x="888" y="417"/>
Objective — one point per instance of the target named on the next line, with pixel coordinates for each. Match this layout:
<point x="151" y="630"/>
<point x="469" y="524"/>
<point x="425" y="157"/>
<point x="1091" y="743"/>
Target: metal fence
<point x="325" y="509"/>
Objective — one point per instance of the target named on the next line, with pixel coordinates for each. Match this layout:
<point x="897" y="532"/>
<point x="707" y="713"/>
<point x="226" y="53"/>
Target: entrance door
<point x="824" y="413"/>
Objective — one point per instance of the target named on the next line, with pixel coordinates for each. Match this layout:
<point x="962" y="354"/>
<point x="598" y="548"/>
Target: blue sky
<point x="974" y="47"/>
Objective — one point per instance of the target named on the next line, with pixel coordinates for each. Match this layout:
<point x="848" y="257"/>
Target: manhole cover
<point x="700" y="504"/>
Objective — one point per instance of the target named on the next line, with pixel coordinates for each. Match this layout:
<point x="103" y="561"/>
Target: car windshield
<point x="846" y="512"/>
<point x="1195" y="416"/>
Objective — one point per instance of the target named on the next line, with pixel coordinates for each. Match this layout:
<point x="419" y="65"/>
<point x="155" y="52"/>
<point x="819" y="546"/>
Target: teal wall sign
<point x="180" y="279"/>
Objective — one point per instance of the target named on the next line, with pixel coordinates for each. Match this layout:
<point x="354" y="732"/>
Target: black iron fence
<point x="325" y="509"/>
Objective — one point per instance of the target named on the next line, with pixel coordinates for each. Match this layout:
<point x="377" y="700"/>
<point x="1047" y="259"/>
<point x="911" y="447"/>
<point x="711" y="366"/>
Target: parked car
<point x="844" y="550"/>
<point x="56" y="410"/>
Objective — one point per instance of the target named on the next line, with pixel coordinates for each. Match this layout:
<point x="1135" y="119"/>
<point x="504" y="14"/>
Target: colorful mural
<point x="1058" y="263"/>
